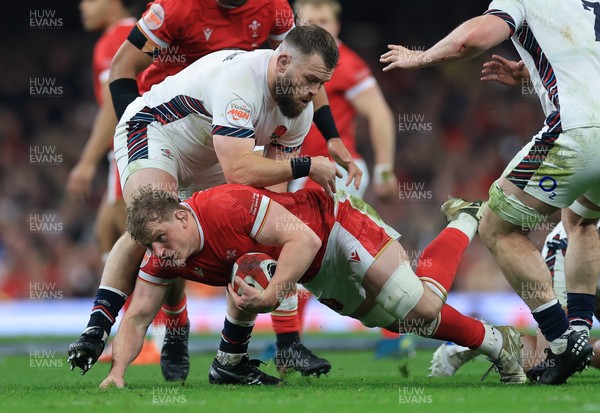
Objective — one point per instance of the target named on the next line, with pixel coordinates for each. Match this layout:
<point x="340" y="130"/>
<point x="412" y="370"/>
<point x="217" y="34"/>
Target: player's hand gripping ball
<point x="255" y="268"/>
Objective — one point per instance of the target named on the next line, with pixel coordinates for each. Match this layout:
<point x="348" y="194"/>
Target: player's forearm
<point x="294" y="260"/>
<point x="320" y="100"/>
<point x="467" y="41"/>
<point x="128" y="343"/>
<point x="257" y="171"/>
<point x="128" y="62"/>
<point x="383" y="139"/>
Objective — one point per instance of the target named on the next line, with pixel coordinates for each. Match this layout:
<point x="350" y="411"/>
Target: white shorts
<point x="340" y="183"/>
<point x="558" y="168"/>
<point x="358" y="237"/>
<point x="142" y="143"/>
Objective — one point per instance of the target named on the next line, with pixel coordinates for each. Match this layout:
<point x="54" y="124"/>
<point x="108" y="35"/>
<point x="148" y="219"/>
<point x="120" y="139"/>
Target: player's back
<point x="196" y="79"/>
<point x="563" y="39"/>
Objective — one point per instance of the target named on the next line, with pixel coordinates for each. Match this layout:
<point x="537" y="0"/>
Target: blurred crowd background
<point x="455" y="134"/>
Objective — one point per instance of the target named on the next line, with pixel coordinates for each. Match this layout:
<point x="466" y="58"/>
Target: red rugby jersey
<point x="229" y="218"/>
<point x="186" y="30"/>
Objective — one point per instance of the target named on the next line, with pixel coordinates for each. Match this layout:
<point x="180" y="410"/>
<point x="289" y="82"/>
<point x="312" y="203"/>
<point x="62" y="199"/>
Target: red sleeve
<point x="284" y="20"/>
<point x="163" y="20"/>
<point x="152" y="272"/>
<point x="353" y="71"/>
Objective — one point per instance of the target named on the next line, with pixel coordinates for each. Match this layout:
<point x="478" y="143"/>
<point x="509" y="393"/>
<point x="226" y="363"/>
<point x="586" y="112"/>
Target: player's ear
<point x="181" y="216"/>
<point x="284" y="60"/>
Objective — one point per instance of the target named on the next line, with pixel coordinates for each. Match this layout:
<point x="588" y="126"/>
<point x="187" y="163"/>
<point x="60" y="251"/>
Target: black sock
<point x="106" y="308"/>
<point x="286" y="339"/>
<point x="552" y="321"/>
<point x="235" y="338"/>
<point x="580" y="309"/>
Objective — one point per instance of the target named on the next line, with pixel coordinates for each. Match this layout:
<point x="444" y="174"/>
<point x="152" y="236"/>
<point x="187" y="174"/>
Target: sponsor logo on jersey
<point x="207" y="32"/>
<point x="155" y="17"/>
<point x="238" y="113"/>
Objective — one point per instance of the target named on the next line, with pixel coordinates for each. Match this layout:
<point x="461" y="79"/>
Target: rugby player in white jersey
<point x="198" y="128"/>
<point x="559" y="168"/>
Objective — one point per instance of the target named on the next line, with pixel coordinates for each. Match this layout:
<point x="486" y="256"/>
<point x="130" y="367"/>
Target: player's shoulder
<point x="349" y="59"/>
<point x="169" y="13"/>
<point x="240" y="72"/>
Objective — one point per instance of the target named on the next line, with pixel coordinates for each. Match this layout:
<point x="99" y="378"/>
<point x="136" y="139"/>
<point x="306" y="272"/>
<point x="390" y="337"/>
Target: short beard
<point x="289" y="107"/>
<point x="285" y="98"/>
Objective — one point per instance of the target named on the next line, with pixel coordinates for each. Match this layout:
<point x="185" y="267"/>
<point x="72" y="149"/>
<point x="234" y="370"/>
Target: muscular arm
<point x="145" y="303"/>
<point x="241" y="166"/>
<point x="129" y="61"/>
<point x="372" y="105"/>
<point x="97" y="145"/>
<point x="275" y="153"/>
<point x="467" y="41"/>
<point x="335" y="146"/>
<point x="300" y="245"/>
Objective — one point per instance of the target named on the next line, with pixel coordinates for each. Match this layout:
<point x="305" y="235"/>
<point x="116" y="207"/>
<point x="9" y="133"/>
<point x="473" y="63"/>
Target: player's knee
<point x="427" y="309"/>
<point x="578" y="218"/>
<point x="511" y="210"/>
<point x="401" y="292"/>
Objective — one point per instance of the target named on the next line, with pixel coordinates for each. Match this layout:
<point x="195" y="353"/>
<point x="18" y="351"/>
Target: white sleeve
<point x="511" y="11"/>
<point x="233" y="110"/>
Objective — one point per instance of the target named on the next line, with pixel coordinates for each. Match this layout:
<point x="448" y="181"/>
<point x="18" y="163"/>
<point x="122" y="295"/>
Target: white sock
<point x="466" y="224"/>
<point x="559" y="345"/>
<point x="491" y="345"/>
<point x="229" y="359"/>
<point x="580" y="327"/>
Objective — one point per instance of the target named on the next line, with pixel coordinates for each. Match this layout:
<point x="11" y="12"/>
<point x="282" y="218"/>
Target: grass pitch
<point x="357" y="383"/>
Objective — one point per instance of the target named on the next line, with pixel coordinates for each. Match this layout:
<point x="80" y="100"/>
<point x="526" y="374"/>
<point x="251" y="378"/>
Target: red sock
<point x="438" y="264"/>
<point x="303" y="297"/>
<point x="389" y="334"/>
<point x="459" y="328"/>
<point x="176" y="316"/>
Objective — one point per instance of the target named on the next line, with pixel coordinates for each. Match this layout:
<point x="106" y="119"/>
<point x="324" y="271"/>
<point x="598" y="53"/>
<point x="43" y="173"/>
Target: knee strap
<point x="511" y="209"/>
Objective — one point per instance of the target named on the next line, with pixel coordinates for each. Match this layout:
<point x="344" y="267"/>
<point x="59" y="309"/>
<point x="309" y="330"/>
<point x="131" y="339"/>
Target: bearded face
<point x="292" y="95"/>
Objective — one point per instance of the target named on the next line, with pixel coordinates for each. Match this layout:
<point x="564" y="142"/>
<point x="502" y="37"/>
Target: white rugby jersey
<point x="223" y="93"/>
<point x="559" y="42"/>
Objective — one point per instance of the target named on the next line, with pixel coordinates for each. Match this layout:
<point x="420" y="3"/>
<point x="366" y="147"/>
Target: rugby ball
<point x="255" y="268"/>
